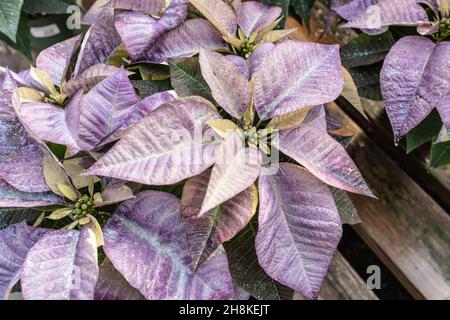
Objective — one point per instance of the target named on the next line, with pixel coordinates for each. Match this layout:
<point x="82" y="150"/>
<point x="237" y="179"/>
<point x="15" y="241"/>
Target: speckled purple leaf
<point x="444" y="111"/>
<point x="48" y="122"/>
<point x="99" y="42"/>
<point x="240" y="64"/>
<point x="414" y="79"/>
<point x="11" y="197"/>
<point x="105" y="109"/>
<point x="299" y="229"/>
<point x="228" y="86"/>
<point x="56" y="59"/>
<point x="254" y="16"/>
<point x="96" y="11"/>
<point x="90" y="78"/>
<point x="256" y="57"/>
<point x="186" y="40"/>
<point x="149" y="7"/>
<point x="323" y="156"/>
<point x="62" y="265"/>
<point x="207" y="232"/>
<point x="317" y="118"/>
<point x="146" y="241"/>
<point x="111" y="285"/>
<point x="171" y="144"/>
<point x="20" y="156"/>
<point x="295" y="75"/>
<point x="15" y="242"/>
<point x="352" y="9"/>
<point x="386" y="13"/>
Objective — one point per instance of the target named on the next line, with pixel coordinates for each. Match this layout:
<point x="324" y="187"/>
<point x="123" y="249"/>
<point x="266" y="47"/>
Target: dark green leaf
<point x="424" y="132"/>
<point x="187" y="78"/>
<point x="346" y="209"/>
<point x="151" y="71"/>
<point x="147" y="88"/>
<point x="245" y="268"/>
<point x="367" y="80"/>
<point x="9" y="216"/>
<point x="9" y="17"/>
<point x="23" y="38"/>
<point x="303" y="9"/>
<point x="440" y="154"/>
<point x="58" y="150"/>
<point x="46" y="6"/>
<point x="117" y="57"/>
<point x="365" y="50"/>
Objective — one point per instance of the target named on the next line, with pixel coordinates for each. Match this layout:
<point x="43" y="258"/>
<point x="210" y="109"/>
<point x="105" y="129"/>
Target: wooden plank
<point x="342" y="283"/>
<point x="405" y="227"/>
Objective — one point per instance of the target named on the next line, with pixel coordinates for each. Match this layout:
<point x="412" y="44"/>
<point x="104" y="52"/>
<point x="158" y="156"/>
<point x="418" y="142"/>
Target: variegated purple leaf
<point x="15" y="243"/>
<point x="174" y="14"/>
<point x="91" y="77"/>
<point x="62" y="265"/>
<point x="97" y="11"/>
<point x="228" y="86"/>
<point x="352" y="9"/>
<point x="415" y="78"/>
<point x="295" y="75"/>
<point x="11" y="197"/>
<point x="254" y="16"/>
<point x="105" y="109"/>
<point x="219" y="13"/>
<point x="111" y="285"/>
<point x="386" y="13"/>
<point x="149" y="7"/>
<point x="299" y="229"/>
<point x="256" y="57"/>
<point x="114" y="194"/>
<point x="99" y="42"/>
<point x="236" y="169"/>
<point x="444" y="111"/>
<point x="317" y="118"/>
<point x="171" y="144"/>
<point x="53" y="123"/>
<point x="240" y="294"/>
<point x="186" y="40"/>
<point x="323" y="156"/>
<point x="20" y="156"/>
<point x="56" y="59"/>
<point x="146" y="241"/>
<point x="240" y="64"/>
<point x="207" y="232"/>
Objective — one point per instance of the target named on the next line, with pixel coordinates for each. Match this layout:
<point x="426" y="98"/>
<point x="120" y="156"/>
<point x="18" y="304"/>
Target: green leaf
<point x="187" y="78"/>
<point x="245" y="268"/>
<point x="147" y="88"/>
<point x="365" y="50"/>
<point x="9" y="216"/>
<point x="346" y="209"/>
<point x="303" y="9"/>
<point x="46" y="6"/>
<point x="118" y="56"/>
<point x="9" y="17"/>
<point x="440" y="154"/>
<point x="424" y="132"/>
<point x="151" y="71"/>
<point x="23" y="38"/>
<point x="367" y="80"/>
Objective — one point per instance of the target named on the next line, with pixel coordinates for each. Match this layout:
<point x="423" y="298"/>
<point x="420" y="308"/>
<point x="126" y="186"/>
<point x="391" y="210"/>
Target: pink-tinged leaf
<point x="111" y="285"/>
<point x="240" y="294"/>
<point x="20" y="156"/>
<point x="171" y="144"/>
<point x="219" y="13"/>
<point x="105" y="109"/>
<point x="323" y="156"/>
<point x="56" y="59"/>
<point x="90" y="78"/>
<point x="386" y="13"/>
<point x="186" y="40"/>
<point x="299" y="229"/>
<point x="11" y="197"/>
<point x="96" y="11"/>
<point x="207" y="232"/>
<point x="414" y="79"/>
<point x="114" y="194"/>
<point x="295" y="75"/>
<point x="352" y="9"/>
<point x="146" y="241"/>
<point x="256" y="57"/>
<point x="62" y="265"/>
<point x="236" y="169"/>
<point x="149" y="7"/>
<point x="444" y="111"/>
<point x="228" y="86"/>
<point x="174" y="14"/>
<point x="15" y="243"/>
<point x="99" y="42"/>
<point x="254" y="16"/>
<point x="317" y="118"/>
<point x="240" y="63"/>
<point x="48" y="122"/>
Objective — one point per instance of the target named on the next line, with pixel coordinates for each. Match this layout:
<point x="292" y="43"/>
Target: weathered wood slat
<point x="405" y="227"/>
<point x="342" y="283"/>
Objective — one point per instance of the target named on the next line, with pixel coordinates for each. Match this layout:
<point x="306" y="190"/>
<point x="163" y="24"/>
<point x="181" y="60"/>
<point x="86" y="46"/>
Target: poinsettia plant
<point x="132" y="190"/>
<point x="415" y="75"/>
